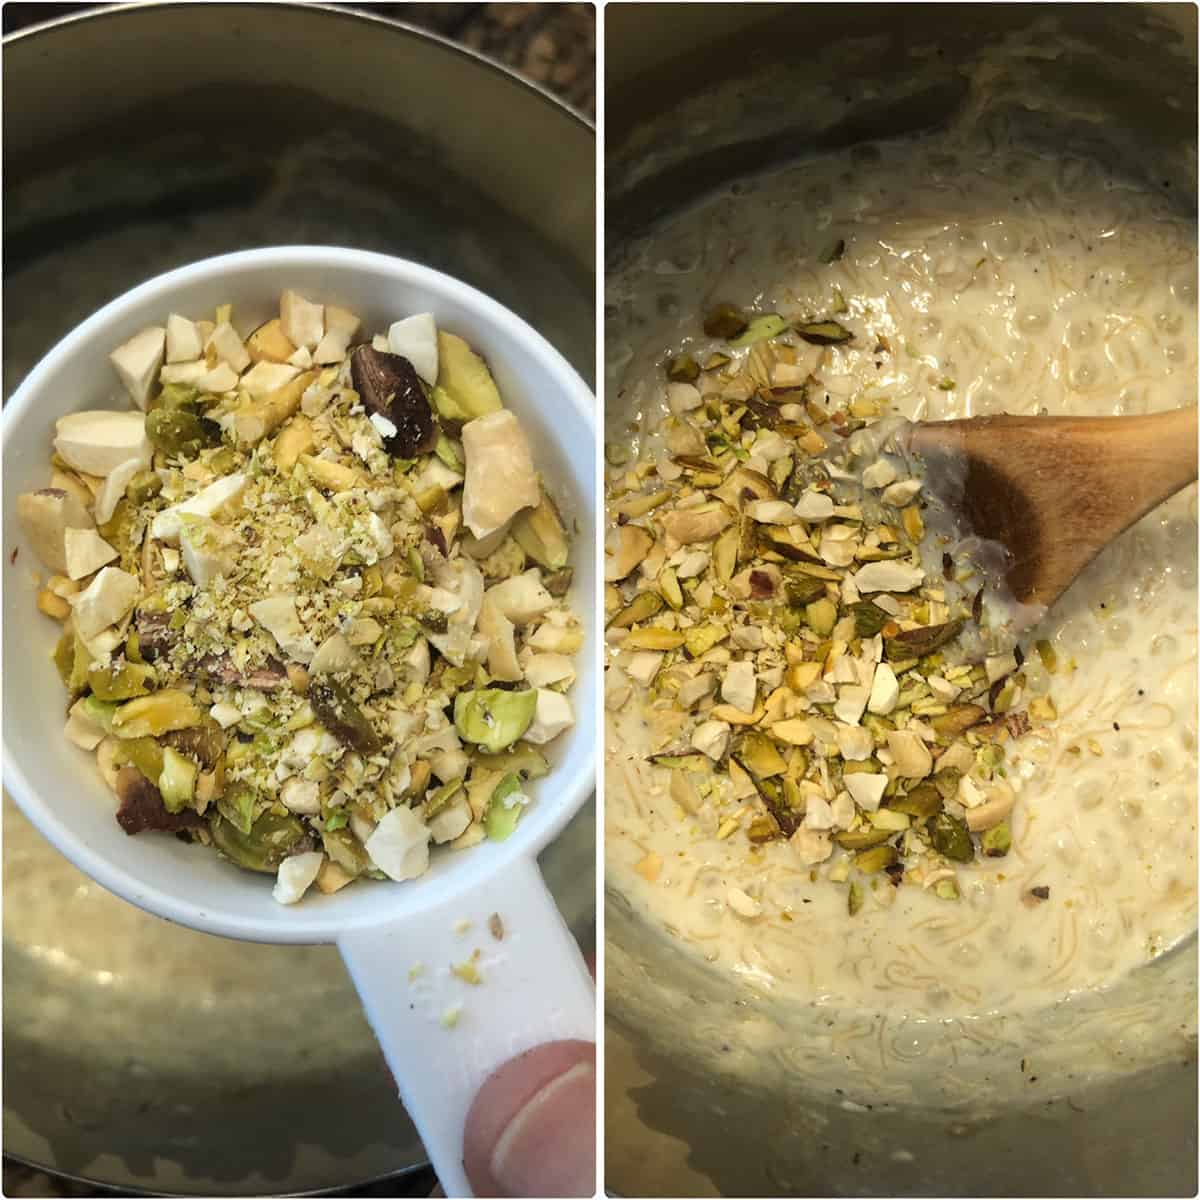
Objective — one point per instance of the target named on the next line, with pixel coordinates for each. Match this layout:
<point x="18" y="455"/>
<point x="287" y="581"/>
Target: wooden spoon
<point x="1056" y="490"/>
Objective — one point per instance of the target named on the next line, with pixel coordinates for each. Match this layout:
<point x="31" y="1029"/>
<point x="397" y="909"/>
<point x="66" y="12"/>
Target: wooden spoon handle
<point x="1146" y="458"/>
<point x="1056" y="490"/>
<point x="1160" y="450"/>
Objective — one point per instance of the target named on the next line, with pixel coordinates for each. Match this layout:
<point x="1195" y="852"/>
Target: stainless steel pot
<point x="697" y="96"/>
<point x="139" y="138"/>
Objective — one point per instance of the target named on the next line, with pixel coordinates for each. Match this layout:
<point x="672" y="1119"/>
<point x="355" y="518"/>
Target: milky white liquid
<point x="1035" y="285"/>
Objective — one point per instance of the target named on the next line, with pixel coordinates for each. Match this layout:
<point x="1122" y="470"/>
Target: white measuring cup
<point x="398" y="940"/>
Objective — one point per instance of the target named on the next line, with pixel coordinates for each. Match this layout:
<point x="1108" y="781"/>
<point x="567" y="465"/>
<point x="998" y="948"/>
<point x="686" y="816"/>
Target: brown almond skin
<point x="142" y="807"/>
<point x="916" y="643"/>
<point x="388" y="384"/>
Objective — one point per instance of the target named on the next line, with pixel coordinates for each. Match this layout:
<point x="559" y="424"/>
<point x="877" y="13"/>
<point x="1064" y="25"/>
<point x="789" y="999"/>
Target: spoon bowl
<point x="1054" y="491"/>
<point x="538" y="985"/>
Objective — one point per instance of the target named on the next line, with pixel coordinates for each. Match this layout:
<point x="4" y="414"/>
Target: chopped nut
<point x="625" y="549"/>
<point x="910" y="754"/>
<point x="711" y="738"/>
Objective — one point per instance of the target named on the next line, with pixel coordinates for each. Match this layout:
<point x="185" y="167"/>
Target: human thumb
<point x="531" y="1130"/>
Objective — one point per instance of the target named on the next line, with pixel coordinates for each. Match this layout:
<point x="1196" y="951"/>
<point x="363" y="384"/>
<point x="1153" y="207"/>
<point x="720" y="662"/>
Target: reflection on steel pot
<point x="139" y="1054"/>
<point x="725" y="1079"/>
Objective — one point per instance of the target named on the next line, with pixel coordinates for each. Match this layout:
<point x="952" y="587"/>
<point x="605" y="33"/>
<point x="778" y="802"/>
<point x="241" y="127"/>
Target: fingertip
<point x="531" y="1130"/>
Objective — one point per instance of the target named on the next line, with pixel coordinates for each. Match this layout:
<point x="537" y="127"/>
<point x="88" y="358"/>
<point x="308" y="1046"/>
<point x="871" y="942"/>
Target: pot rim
<point x="101" y="11"/>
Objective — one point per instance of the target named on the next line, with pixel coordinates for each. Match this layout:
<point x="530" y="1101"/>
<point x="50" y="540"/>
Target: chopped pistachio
<point x="951" y="837"/>
<point x="683" y="369"/>
<point x="997" y="841"/>
<point x="767" y="326"/>
<point x="643" y="606"/>
<point x="839" y="661"/>
<point x="873" y="860"/>
<point x="724" y="321"/>
<point x="824" y="333"/>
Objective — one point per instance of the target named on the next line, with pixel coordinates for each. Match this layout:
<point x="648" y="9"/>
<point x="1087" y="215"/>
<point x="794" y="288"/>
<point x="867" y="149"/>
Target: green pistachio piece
<point x="873" y="860"/>
<point x="494" y="718"/>
<point x="890" y="819"/>
<point x="1048" y="655"/>
<point x="835" y="252"/>
<point x="455" y="678"/>
<point x="266" y="844"/>
<point x="118" y="532"/>
<point x="920" y="803"/>
<point x="700" y="639"/>
<point x="946" y="889"/>
<point x="539" y="532"/>
<point x="769" y="325"/>
<point x="643" y="606"/>
<point x="122" y="682"/>
<point x="879" y="726"/>
<point x="725" y="553"/>
<point x="177" y="397"/>
<point x="724" y="321"/>
<point x="440" y="797"/>
<point x="869" y="618"/>
<point x="854" y="900"/>
<point x="683" y="762"/>
<point x="524" y="761"/>
<point x="343" y="718"/>
<point x="790" y="620"/>
<point x="204" y="742"/>
<point x="821" y="616"/>
<point x="861" y="839"/>
<point x="180" y="434"/>
<point x="223" y="460"/>
<point x="866" y="766"/>
<point x="946" y="782"/>
<point x="499" y="818"/>
<point x="558" y="583"/>
<point x="951" y="837"/>
<point x="465" y="387"/>
<point x="778" y="799"/>
<point x="997" y="841"/>
<point x="824" y="333"/>
<point x="958" y="719"/>
<point x="763" y="828"/>
<point x="448" y="454"/>
<point x="177" y="780"/>
<point x="669" y="588"/>
<point x="64" y="660"/>
<point x="990" y="758"/>
<point x="343" y="847"/>
<point x="757" y="755"/>
<point x="802" y="590"/>
<point x="237" y="805"/>
<point x="145" y="485"/>
<point x="99" y="712"/>
<point x="683" y="369"/>
<point x="144" y="753"/>
<point x="916" y="643"/>
<point x="151" y="716"/>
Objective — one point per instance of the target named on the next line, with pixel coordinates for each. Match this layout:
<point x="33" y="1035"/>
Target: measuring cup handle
<point x="442" y="1035"/>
